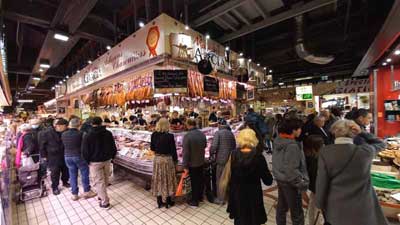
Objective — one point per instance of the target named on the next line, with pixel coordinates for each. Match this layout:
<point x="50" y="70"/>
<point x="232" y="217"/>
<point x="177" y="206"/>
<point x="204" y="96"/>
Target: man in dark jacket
<point x="194" y="144"/>
<point x="223" y="144"/>
<point x="363" y="118"/>
<point x="317" y="128"/>
<point x="72" y="140"/>
<point x="98" y="149"/>
<point x="52" y="151"/>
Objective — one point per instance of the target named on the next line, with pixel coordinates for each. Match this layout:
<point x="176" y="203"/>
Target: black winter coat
<point x="30" y="144"/>
<point x="246" y="204"/>
<point x="51" y="147"/>
<point x="98" y="145"/>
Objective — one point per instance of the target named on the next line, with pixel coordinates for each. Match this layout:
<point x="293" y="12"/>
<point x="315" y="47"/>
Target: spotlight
<point x="258" y="64"/>
<point x="186" y="27"/>
<point x="67" y="76"/>
<point x="141" y="24"/>
<point x="108" y="47"/>
<point x="397" y="52"/>
<point x="388" y="60"/>
<point x="227" y="48"/>
<point x="207" y="36"/>
<point x="78" y="71"/>
<point x="270" y="71"/>
<point x="384" y="64"/>
<point x="241" y="54"/>
<point x="249" y="60"/>
<point x="40" y="70"/>
<point x="61" y="37"/>
<point x="89" y="61"/>
<point x="265" y="68"/>
<point x="280" y="84"/>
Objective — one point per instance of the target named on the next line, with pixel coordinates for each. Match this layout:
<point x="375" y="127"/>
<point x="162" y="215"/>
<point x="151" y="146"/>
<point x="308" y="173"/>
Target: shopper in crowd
<point x="175" y="121"/>
<point x="329" y="119"/>
<point x="278" y="121"/>
<point x="270" y="120"/>
<point x="114" y="120"/>
<point x="336" y="112"/>
<point x="223" y="144"/>
<point x="255" y="122"/>
<point x="192" y="114"/>
<point x="312" y="145"/>
<point x="141" y="121"/>
<point x="363" y="118"/>
<point x="344" y="189"/>
<point x="25" y="144"/>
<point x="194" y="144"/>
<point x="72" y="140"/>
<point x="164" y="177"/>
<point x="290" y="171"/>
<point x="212" y="118"/>
<point x="317" y="128"/>
<point x="133" y="120"/>
<point x="52" y="151"/>
<point x="33" y="139"/>
<point x="98" y="149"/>
<point x="246" y="205"/>
<point x="350" y="115"/>
<point x="87" y="126"/>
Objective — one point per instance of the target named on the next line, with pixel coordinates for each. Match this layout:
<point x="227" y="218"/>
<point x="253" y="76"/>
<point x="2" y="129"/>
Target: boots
<point x="160" y="202"/>
<point x="170" y="203"/>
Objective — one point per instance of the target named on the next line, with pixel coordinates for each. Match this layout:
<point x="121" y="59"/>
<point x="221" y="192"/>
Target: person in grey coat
<point x="344" y="188"/>
<point x="223" y="144"/>
<point x="290" y="172"/>
<point x="194" y="144"/>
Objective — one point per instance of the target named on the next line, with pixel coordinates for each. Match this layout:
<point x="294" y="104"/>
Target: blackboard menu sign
<point x="240" y="91"/>
<point x="211" y="85"/>
<point x="170" y="81"/>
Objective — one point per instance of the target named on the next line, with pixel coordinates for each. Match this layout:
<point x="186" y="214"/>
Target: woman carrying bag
<point x="246" y="205"/>
<point x="164" y="177"/>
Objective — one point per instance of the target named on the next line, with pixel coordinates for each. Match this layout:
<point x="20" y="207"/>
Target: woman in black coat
<point x="246" y="204"/>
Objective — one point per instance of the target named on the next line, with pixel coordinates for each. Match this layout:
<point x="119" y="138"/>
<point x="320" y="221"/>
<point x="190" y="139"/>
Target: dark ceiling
<point x="263" y="30"/>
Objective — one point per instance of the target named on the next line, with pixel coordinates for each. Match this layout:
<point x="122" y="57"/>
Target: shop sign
<point x="250" y="94"/>
<point x="144" y="44"/>
<point x="170" y="81"/>
<point x="211" y="85"/>
<point x="304" y="93"/>
<point x="195" y="47"/>
<point x="353" y="86"/>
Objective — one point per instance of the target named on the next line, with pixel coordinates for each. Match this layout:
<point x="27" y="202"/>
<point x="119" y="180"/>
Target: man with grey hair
<point x="72" y="140"/>
<point x="317" y="128"/>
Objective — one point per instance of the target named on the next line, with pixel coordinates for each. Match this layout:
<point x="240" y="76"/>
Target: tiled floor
<point x="131" y="205"/>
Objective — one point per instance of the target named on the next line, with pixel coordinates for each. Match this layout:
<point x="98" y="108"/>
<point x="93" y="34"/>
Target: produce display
<point x="385" y="195"/>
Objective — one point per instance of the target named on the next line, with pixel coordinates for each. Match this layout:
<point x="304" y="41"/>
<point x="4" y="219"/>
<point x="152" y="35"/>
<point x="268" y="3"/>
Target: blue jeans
<point x="75" y="163"/>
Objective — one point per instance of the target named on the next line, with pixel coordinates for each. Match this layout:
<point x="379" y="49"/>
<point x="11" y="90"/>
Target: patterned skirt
<point x="163" y="182"/>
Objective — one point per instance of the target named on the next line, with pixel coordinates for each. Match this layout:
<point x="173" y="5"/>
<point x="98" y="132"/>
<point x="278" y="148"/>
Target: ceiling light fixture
<point x="270" y="71"/>
<point x="265" y="68"/>
<point x="67" y="76"/>
<point x="31" y="87"/>
<point x="227" y="48"/>
<point x="78" y="71"/>
<point x="141" y="24"/>
<point x="397" y="52"/>
<point x="40" y="70"/>
<point x="384" y="64"/>
<point x="64" y="80"/>
<point x="61" y="37"/>
<point x="258" y="64"/>
<point x="249" y="60"/>
<point x="36" y="78"/>
<point x="108" y="47"/>
<point x="186" y="27"/>
<point x="89" y="61"/>
<point x="281" y="83"/>
<point x="241" y="54"/>
<point x="388" y="60"/>
<point x="25" y="100"/>
<point x="207" y="36"/>
<point x="60" y="82"/>
<point x="303" y="78"/>
<point x="53" y="88"/>
<point x="44" y="63"/>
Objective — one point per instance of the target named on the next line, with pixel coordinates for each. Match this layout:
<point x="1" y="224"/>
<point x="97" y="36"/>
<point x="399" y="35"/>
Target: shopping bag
<point x="223" y="186"/>
<point x="184" y="186"/>
<point x="27" y="161"/>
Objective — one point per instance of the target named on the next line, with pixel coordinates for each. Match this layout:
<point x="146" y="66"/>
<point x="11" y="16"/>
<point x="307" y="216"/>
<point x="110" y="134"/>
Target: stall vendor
<point x="140" y="120"/>
<point x="213" y="116"/>
<point x="175" y="119"/>
<point x="193" y="114"/>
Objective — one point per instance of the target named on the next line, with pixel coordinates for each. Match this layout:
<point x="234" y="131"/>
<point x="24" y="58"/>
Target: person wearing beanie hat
<point x="52" y="150"/>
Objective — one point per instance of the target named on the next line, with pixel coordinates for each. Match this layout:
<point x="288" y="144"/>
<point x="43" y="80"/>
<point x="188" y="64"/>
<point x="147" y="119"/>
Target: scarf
<point x="287" y="136"/>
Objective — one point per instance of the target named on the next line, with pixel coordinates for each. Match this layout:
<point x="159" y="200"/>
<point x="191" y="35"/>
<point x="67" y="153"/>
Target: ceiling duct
<point x="302" y="51"/>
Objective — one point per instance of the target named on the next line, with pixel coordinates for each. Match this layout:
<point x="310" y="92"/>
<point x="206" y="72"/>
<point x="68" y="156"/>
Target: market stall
<point x="159" y="69"/>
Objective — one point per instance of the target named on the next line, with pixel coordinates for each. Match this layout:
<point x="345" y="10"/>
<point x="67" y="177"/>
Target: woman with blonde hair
<point x="246" y="205"/>
<point x="344" y="188"/>
<point x="164" y="178"/>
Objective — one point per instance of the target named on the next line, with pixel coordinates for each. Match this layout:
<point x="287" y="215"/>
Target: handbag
<point x="223" y="186"/>
<point x="27" y="161"/>
<point x="334" y="176"/>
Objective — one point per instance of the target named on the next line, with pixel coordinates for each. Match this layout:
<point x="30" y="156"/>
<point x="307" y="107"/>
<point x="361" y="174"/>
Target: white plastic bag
<point x="27" y="161"/>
